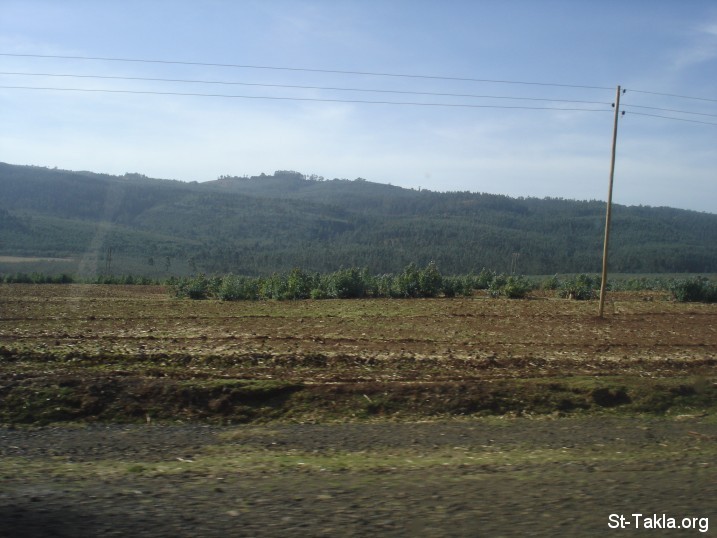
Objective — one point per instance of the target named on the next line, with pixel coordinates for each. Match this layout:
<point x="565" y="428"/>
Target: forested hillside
<point x="258" y="225"/>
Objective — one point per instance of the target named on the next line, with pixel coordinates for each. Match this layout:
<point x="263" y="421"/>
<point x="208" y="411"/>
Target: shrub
<point x="517" y="287"/>
<point x="580" y="287"/>
<point x="383" y="286"/>
<point x="550" y="283"/>
<point x="484" y="279"/>
<point x="512" y="287"/>
<point x="298" y="285"/>
<point x="320" y="293"/>
<point x="415" y="282"/>
<point x="430" y="281"/>
<point x="638" y="284"/>
<point x="456" y="285"/>
<point x="696" y="289"/>
<point x="496" y="285"/>
<point x="194" y="288"/>
<point x="274" y="287"/>
<point x="407" y="283"/>
<point x="348" y="284"/>
<point x="238" y="288"/>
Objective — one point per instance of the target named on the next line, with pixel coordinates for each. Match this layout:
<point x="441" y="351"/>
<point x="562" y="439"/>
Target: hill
<point x="258" y="225"/>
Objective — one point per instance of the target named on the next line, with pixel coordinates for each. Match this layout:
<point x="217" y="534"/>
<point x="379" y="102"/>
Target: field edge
<point x="41" y="400"/>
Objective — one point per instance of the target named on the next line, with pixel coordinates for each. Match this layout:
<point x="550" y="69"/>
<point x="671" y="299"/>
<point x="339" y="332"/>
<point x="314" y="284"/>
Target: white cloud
<point x="700" y="48"/>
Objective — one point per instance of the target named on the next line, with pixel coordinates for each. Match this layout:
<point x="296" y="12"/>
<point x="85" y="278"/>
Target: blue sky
<point x="666" y="47"/>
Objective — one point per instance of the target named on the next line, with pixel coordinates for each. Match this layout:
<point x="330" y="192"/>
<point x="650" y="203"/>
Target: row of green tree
<point x="412" y="282"/>
<point x="415" y="282"/>
<point x="65" y="278"/>
<point x="352" y="283"/>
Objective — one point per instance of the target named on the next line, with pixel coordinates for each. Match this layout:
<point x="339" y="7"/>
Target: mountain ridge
<point x="261" y="224"/>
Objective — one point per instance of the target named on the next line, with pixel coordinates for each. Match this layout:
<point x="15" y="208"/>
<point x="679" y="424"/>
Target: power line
<point x="330" y="88"/>
<point x="672" y="118"/>
<point x="293" y="86"/>
<point x="346" y="72"/>
<point x="673" y="95"/>
<point x="273" y="98"/>
<point x="672" y="110"/>
<point x="335" y="88"/>
<point x="303" y="69"/>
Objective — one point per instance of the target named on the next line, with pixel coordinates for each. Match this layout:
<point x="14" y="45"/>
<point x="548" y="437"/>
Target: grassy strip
<point x="226" y="459"/>
<point x="47" y="399"/>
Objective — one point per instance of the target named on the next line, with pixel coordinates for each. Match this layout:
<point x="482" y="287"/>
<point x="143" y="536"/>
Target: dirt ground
<point x="355" y="340"/>
<point x="514" y="477"/>
<point x="125" y="412"/>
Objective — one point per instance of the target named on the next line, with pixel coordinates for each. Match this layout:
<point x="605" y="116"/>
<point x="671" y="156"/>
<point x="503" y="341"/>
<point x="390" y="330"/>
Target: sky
<point x="507" y="96"/>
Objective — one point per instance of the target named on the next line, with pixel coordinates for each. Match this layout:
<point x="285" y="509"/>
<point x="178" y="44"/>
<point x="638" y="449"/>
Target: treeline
<point x="64" y="278"/>
<point x="585" y="287"/>
<point x="352" y="283"/>
<point x="412" y="282"/>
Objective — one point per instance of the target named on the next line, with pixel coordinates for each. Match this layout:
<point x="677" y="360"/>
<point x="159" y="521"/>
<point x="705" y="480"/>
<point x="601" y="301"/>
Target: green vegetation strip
<point x="43" y="400"/>
<point x="412" y="282"/>
<point x="228" y="458"/>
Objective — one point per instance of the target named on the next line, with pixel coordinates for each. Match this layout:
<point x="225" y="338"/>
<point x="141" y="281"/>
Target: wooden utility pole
<point x="608" y="213"/>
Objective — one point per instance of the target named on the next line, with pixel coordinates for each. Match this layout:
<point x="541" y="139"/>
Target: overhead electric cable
<point x="672" y="118"/>
<point x="293" y="86"/>
<point x="274" y="98"/>
<point x="672" y="110"/>
<point x="302" y="69"/>
<point x="673" y="95"/>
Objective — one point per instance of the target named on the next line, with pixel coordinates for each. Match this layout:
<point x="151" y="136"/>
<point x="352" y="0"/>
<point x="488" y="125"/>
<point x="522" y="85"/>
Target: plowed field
<point x="129" y="413"/>
<point x="105" y="343"/>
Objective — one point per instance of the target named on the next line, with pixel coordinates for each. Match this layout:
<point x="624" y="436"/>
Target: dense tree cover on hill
<point x="272" y="223"/>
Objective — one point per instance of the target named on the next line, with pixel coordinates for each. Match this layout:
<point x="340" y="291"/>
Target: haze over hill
<point x="258" y="225"/>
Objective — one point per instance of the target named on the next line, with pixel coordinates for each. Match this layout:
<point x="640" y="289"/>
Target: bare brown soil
<point x="128" y="353"/>
<point x="371" y="417"/>
<point x="395" y="340"/>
